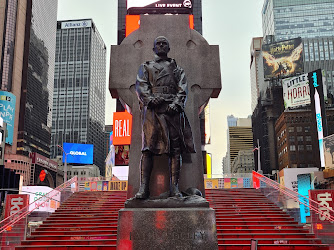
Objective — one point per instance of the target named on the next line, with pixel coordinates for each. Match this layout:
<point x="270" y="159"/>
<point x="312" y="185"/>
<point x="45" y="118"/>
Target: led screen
<point x="78" y="153"/>
<point x="159" y="6"/>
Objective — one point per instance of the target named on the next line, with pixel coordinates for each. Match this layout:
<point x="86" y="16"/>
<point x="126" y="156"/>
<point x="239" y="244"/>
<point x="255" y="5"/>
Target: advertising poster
<point x="329" y="151"/>
<point x="122" y="155"/>
<point x="99" y="186"/>
<point x="78" y="153"/>
<point x="7" y="112"/>
<point x="122" y="128"/>
<point x="240" y="182"/>
<point x="36" y="192"/>
<point x="87" y="186"/>
<point x="227" y="183"/>
<point x="105" y="186"/>
<point x="283" y="59"/>
<point x="296" y="91"/>
<point x="234" y="182"/>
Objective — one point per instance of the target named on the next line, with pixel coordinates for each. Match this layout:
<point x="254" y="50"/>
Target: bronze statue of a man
<point x="161" y="87"/>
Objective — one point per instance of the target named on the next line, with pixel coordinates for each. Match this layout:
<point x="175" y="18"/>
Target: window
<point x="291" y="138"/>
<point x="291" y="129"/>
<point x="300" y="147"/>
<point x="299" y="129"/>
<point x="292" y="148"/>
<point x="308" y="138"/>
<point x="309" y="147"/>
<point x="300" y="138"/>
<point x="307" y="129"/>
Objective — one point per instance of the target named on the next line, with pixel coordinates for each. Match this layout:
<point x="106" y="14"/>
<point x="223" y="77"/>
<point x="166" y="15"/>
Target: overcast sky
<point x="229" y="24"/>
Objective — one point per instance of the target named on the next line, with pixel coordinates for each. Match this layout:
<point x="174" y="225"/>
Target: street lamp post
<point x="65" y="162"/>
<point x="258" y="148"/>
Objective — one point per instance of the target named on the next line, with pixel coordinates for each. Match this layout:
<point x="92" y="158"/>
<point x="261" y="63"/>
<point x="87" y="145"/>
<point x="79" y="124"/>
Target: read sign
<point x="122" y="127"/>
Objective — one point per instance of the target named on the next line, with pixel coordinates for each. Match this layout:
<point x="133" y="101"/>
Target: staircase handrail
<point x="312" y="204"/>
<point x="25" y="211"/>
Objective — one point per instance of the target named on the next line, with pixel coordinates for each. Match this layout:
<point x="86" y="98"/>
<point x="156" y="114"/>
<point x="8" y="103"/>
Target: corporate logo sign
<point x="159" y="6"/>
<point x="296" y="91"/>
<point x="7" y="112"/>
<point x="78" y="153"/>
<point x="76" y="24"/>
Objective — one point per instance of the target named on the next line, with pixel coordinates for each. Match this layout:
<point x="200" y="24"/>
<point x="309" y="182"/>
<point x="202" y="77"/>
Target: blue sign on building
<point x="7" y="112"/>
<point x="78" y="153"/>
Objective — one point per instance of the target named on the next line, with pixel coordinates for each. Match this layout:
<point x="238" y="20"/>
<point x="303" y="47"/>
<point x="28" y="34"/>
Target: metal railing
<point x="299" y="207"/>
<point x="14" y="228"/>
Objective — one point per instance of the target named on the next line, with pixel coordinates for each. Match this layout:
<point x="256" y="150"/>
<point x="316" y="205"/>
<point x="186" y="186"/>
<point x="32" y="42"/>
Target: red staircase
<point x="246" y="214"/>
<point x="87" y="220"/>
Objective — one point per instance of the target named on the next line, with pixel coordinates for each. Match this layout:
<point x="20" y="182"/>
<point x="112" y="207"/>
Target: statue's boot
<point x="146" y="163"/>
<point x="174" y="168"/>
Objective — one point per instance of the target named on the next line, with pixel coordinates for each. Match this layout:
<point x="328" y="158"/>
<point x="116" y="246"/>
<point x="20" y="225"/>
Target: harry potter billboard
<point x="283" y="59"/>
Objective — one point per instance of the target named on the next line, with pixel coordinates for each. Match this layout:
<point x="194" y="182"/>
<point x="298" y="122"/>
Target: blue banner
<point x="7" y="112"/>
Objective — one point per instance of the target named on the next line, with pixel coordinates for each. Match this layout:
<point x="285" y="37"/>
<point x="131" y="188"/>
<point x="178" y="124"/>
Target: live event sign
<point x="122" y="127"/>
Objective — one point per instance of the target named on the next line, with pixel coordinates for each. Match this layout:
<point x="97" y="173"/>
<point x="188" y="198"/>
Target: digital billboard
<point x="318" y="109"/>
<point x="296" y="91"/>
<point x="159" y="6"/>
<point x="122" y="128"/>
<point x="122" y="155"/>
<point x="283" y="59"/>
<point x="78" y="153"/>
<point x="7" y="112"/>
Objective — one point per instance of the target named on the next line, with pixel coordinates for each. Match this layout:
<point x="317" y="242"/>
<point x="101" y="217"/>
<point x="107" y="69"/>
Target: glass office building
<point x="34" y="131"/>
<point x="78" y="115"/>
<point x="286" y="19"/>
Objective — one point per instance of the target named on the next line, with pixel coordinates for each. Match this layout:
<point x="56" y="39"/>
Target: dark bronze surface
<point x="162" y="88"/>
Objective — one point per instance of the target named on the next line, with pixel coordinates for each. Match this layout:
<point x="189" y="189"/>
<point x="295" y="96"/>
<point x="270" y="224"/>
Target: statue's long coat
<point x="155" y="120"/>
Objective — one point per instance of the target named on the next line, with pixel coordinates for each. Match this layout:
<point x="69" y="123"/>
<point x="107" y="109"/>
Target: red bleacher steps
<point x="246" y="214"/>
<point x="87" y="220"/>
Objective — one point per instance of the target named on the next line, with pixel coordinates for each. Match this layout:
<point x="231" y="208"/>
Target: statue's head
<point x="161" y="46"/>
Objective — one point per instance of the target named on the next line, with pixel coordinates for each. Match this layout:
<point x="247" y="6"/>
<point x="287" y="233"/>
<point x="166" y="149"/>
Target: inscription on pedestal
<point x="167" y="228"/>
<point x="169" y="235"/>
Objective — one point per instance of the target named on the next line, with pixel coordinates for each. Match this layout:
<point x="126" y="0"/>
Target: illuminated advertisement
<point x="122" y="155"/>
<point x="159" y="6"/>
<point x="329" y="151"/>
<point x="7" y="112"/>
<point x="296" y="91"/>
<point x="283" y="59"/>
<point x="322" y="226"/>
<point x="304" y="185"/>
<point x="78" y="153"/>
<point x="122" y="127"/>
<point x="318" y="109"/>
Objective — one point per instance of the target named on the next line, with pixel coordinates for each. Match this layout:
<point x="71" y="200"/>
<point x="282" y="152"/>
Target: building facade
<point x="243" y="162"/>
<point x="78" y="115"/>
<point x="298" y="18"/>
<point x="27" y="62"/>
<point x="239" y="137"/>
<point x="37" y="79"/>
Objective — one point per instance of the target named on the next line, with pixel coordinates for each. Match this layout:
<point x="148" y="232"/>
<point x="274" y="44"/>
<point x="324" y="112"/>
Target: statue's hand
<point x="172" y="108"/>
<point x="156" y="101"/>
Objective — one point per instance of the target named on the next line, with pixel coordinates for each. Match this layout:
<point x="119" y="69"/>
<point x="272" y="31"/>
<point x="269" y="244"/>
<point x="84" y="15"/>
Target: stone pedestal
<point x="167" y="228"/>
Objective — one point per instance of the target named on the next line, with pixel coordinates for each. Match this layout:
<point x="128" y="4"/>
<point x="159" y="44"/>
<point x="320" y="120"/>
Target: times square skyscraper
<point x="286" y="19"/>
<point x="79" y="88"/>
